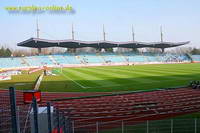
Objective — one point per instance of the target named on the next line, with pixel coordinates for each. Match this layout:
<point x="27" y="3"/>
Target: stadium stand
<point x="112" y="57"/>
<point x="196" y="57"/>
<point x="11" y="62"/>
<point x="129" y="107"/>
<point x="92" y="58"/>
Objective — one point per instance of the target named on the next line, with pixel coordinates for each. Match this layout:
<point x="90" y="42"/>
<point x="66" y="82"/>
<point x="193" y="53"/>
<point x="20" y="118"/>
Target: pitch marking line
<point x="111" y="85"/>
<point x="72" y="80"/>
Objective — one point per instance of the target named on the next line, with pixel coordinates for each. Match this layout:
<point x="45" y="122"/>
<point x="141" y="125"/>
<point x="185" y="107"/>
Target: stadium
<point x="100" y="92"/>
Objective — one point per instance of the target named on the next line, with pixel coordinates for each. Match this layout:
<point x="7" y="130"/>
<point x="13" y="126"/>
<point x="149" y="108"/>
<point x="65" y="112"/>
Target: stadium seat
<point x="92" y="58"/>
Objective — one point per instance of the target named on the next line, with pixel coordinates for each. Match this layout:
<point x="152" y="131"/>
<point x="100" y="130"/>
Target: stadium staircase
<point x="53" y="60"/>
<point x="82" y="60"/>
<point x="126" y="59"/>
<point x="25" y="62"/>
<point x="189" y="57"/>
<point x="32" y="61"/>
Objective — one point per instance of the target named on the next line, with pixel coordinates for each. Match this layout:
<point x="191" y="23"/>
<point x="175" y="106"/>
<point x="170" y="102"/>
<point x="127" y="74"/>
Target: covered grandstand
<point x="99" y="58"/>
<point x="70" y="43"/>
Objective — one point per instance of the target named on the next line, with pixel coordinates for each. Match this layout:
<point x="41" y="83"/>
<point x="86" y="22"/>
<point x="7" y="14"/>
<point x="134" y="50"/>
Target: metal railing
<point x="190" y="125"/>
<point x="32" y="118"/>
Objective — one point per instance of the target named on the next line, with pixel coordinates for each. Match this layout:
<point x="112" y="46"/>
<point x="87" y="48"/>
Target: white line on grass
<point x="72" y="80"/>
<point x="103" y="86"/>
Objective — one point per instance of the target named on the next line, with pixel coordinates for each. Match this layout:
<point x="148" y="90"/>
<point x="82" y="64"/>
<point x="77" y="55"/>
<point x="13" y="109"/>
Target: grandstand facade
<point x="86" y="59"/>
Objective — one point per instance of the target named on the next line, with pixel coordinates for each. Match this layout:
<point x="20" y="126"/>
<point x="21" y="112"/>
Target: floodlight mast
<point x="161" y="34"/>
<point x="104" y="33"/>
<point x="72" y="31"/>
<point x="73" y="49"/>
<point x="133" y="34"/>
<point x="38" y="35"/>
<point x="133" y="37"/>
<point x="161" y="38"/>
<point x="37" y="30"/>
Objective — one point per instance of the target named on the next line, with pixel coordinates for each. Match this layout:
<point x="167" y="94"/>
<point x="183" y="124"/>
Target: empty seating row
<point x="87" y="58"/>
<point x="196" y="57"/>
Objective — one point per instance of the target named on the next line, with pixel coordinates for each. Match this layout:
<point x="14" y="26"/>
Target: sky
<point x="180" y="20"/>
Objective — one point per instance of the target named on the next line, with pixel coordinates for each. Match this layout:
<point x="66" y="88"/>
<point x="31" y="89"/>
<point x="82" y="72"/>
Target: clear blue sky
<point x="180" y="20"/>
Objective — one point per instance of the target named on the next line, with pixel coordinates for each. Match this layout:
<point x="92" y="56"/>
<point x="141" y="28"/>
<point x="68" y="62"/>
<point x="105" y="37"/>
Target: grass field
<point x="111" y="78"/>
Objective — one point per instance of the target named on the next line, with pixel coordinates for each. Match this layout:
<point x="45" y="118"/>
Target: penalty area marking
<point x="72" y="80"/>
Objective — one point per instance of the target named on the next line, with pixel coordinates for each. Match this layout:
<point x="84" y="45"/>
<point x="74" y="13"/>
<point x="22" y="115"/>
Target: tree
<point x="8" y="53"/>
<point x="71" y="50"/>
<point x="109" y="50"/>
<point x="135" y="50"/>
<point x="195" y="51"/>
<point x="5" y="52"/>
<point x="1" y="52"/>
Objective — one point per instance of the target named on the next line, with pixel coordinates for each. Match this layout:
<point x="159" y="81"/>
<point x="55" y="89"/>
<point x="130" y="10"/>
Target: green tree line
<point x="5" y="52"/>
<point x="195" y="51"/>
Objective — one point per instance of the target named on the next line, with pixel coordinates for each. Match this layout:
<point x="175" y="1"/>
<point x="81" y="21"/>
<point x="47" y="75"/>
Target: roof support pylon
<point x="72" y="31"/>
<point x="163" y="50"/>
<point x="37" y="30"/>
<point x="133" y="34"/>
<point x="161" y="34"/>
<point x="104" y="33"/>
<point x="39" y="50"/>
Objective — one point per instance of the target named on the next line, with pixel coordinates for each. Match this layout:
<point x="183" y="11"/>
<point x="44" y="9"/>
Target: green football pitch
<point x="110" y="78"/>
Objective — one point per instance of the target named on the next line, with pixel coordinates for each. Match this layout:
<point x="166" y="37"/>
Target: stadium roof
<point x="44" y="43"/>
